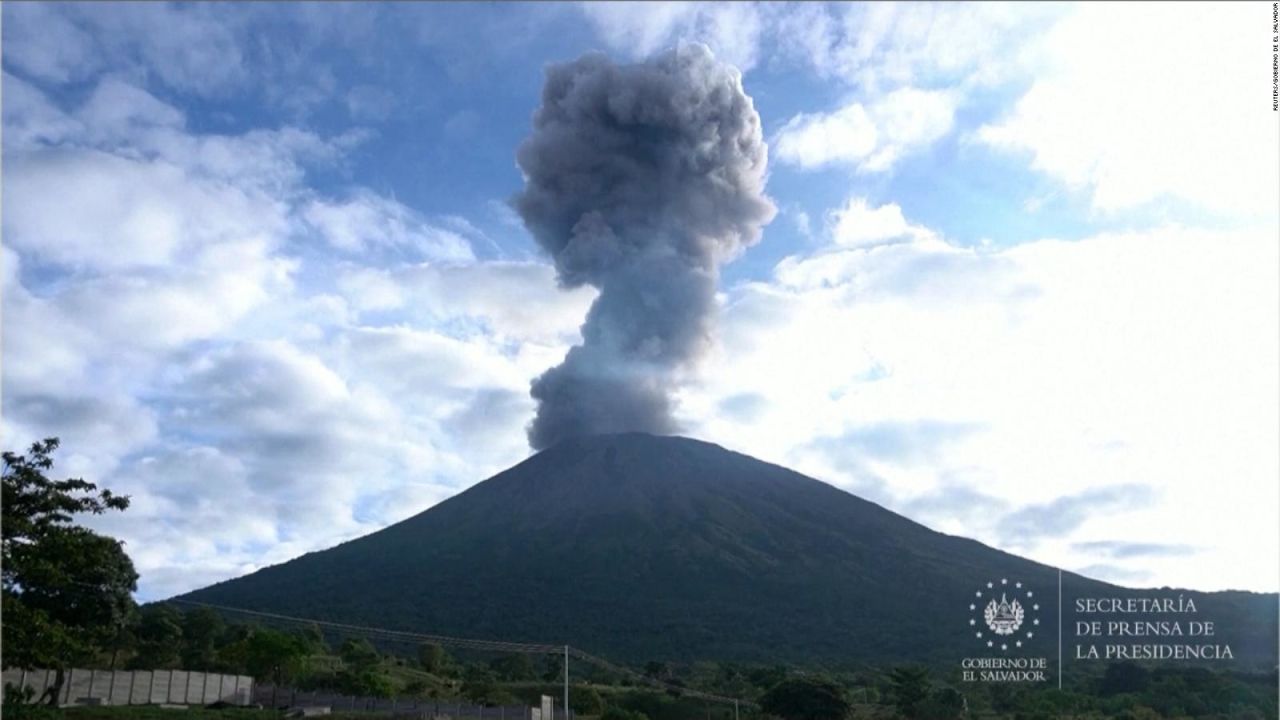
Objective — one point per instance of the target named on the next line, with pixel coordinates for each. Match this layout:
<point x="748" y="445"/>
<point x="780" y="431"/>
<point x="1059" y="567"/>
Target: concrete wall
<point x="137" y="687"/>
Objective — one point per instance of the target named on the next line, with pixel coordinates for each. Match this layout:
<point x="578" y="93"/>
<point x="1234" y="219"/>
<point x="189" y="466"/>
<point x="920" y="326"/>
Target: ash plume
<point x="640" y="180"/>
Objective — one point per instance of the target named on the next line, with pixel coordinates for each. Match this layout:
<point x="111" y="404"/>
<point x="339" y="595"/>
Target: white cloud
<point x="732" y="30"/>
<point x="200" y="313"/>
<point x="872" y="137"/>
<point x="857" y="223"/>
<point x="116" y="108"/>
<point x="29" y="118"/>
<point x="367" y="222"/>
<point x="876" y="47"/>
<point x="47" y="44"/>
<point x="102" y="211"/>
<point x="1125" y="359"/>
<point x="1132" y="105"/>
<point x="189" y="47"/>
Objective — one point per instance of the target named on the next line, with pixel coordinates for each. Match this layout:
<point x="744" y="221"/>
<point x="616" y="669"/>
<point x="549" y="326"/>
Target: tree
<point x="480" y="686"/>
<point x="125" y="639"/>
<point x="806" y="698"/>
<point x="656" y="669"/>
<point x="910" y="686"/>
<point x="1124" y="677"/>
<point x="202" y="631"/>
<point x="366" y="682"/>
<point x="552" y="668"/>
<point x="66" y="590"/>
<point x="159" y="639"/>
<point x="359" y="653"/>
<point x="943" y="704"/>
<point x="315" y="639"/>
<point x="585" y="700"/>
<point x="433" y="658"/>
<point x="274" y="655"/>
<point x="613" y="712"/>
<point x="514" y="668"/>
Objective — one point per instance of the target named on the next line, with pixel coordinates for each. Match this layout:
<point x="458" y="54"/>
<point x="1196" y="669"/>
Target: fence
<point x="268" y="695"/>
<point x="137" y="687"/>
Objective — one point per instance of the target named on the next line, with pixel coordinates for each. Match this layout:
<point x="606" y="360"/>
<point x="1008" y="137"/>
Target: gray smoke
<point x="640" y="180"/>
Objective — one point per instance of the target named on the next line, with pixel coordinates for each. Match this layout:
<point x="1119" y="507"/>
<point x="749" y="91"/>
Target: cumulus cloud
<point x="1027" y="525"/>
<point x="1111" y="112"/>
<point x="870" y="137"/>
<point x="859" y="224"/>
<point x="733" y="31"/>
<point x="876" y="47"/>
<point x="1137" y="359"/>
<point x="1114" y="573"/>
<point x="248" y="385"/>
<point x="1122" y="549"/>
<point x="367" y="222"/>
<point x="516" y="301"/>
<point x="188" y="47"/>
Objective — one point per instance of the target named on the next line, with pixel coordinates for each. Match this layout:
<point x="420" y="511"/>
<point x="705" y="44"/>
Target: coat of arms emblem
<point x="1010" y="621"/>
<point x="1004" y="618"/>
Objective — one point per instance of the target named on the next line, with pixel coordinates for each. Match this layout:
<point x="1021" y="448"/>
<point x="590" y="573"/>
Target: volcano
<point x="646" y="547"/>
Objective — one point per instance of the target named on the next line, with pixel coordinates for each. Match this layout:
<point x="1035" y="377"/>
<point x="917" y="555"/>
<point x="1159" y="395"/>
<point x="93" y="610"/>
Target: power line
<point x="469" y="643"/>
<point x="474" y="644"/>
<point x="602" y="663"/>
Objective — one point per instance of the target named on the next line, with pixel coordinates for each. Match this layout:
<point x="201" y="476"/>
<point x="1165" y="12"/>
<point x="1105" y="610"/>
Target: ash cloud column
<point x="640" y="180"/>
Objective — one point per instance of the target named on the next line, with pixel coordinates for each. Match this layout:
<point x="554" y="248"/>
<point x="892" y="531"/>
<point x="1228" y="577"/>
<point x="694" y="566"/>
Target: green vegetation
<point x="806" y="698"/>
<point x="66" y="590"/>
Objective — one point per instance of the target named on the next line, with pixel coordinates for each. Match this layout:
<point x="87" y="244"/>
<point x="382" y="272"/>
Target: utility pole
<point x="566" y="683"/>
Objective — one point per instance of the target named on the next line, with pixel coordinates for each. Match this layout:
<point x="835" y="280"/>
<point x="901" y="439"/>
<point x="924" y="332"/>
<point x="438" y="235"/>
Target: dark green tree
<point x="514" y="668"/>
<point x="316" y="640"/>
<point x="66" y="590"/>
<point x="552" y="668"/>
<point x="613" y="712"/>
<point x="433" y="658"/>
<point x="273" y="655"/>
<point x="766" y="677"/>
<point x="480" y="685"/>
<point x="942" y="704"/>
<point x="1124" y="677"/>
<point x="202" y="633"/>
<point x="806" y="698"/>
<point x="159" y="639"/>
<point x="125" y="640"/>
<point x="366" y="682"/>
<point x="358" y="653"/>
<point x="909" y="685"/>
<point x="656" y="669"/>
<point x="585" y="700"/>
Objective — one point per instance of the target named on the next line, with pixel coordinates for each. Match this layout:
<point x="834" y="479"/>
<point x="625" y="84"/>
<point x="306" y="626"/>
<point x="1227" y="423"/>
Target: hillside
<point x="642" y="547"/>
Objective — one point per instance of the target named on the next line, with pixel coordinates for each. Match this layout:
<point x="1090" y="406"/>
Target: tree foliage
<point x="516" y="667"/>
<point x="358" y="653"/>
<point x="806" y="698"/>
<point x="67" y="591"/>
<point x="433" y="658"/>
<point x="274" y="655"/>
<point x="160" y="639"/>
<point x="910" y="687"/>
<point x="202" y="630"/>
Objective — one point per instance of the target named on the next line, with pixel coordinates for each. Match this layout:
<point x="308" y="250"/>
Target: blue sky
<point x="260" y="271"/>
